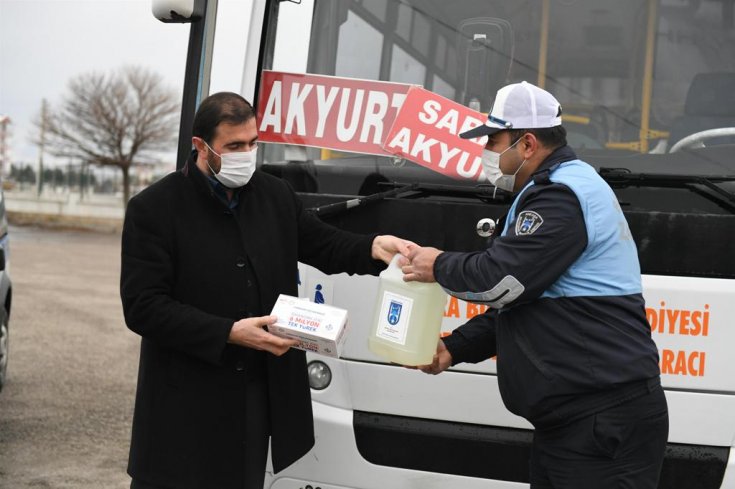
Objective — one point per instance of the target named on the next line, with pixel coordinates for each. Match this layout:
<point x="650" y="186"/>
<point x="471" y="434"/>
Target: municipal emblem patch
<point x="528" y="222"/>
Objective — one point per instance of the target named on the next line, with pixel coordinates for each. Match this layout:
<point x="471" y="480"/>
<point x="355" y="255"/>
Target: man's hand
<point x="442" y="361"/>
<point x="250" y="332"/>
<point x="386" y="246"/>
<point x="420" y="266"/>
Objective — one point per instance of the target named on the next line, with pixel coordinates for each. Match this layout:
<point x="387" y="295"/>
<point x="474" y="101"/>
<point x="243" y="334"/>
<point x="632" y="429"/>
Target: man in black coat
<point x="205" y="253"/>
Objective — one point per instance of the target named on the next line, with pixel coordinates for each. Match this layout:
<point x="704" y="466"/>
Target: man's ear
<point x="198" y="144"/>
<point x="530" y="144"/>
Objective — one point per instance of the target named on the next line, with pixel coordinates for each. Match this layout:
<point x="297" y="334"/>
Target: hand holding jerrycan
<point x="408" y="318"/>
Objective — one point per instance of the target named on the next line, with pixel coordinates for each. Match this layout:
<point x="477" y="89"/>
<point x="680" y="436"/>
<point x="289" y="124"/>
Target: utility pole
<point x="42" y="143"/>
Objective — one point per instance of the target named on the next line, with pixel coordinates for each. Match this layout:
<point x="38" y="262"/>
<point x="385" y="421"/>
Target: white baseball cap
<point x="519" y="106"/>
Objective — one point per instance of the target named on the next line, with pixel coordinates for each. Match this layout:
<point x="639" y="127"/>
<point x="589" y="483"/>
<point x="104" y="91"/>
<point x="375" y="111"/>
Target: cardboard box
<point x="318" y="327"/>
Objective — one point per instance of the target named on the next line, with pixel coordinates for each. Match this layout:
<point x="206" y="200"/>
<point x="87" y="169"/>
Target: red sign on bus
<point x="427" y="130"/>
<point x="343" y="114"/>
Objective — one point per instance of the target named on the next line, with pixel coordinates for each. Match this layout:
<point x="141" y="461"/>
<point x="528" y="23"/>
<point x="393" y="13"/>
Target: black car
<point x="5" y="293"/>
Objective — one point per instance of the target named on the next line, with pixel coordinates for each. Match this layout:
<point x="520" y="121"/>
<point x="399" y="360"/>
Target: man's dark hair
<point x="218" y="108"/>
<point x="549" y="137"/>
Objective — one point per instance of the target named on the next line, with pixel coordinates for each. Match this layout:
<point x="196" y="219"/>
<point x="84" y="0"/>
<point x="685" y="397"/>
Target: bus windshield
<point x="646" y="85"/>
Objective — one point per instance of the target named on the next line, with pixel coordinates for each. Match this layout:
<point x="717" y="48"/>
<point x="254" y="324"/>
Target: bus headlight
<point x="319" y="375"/>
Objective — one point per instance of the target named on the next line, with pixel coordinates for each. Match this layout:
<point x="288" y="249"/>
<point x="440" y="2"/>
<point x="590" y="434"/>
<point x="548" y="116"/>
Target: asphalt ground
<point x="66" y="409"/>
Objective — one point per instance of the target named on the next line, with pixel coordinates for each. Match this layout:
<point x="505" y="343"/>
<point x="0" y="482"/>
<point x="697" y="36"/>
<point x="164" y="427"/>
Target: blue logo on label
<point x="394" y="312"/>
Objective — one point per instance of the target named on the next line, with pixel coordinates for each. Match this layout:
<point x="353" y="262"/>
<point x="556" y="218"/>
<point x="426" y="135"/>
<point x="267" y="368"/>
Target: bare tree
<point x="118" y="119"/>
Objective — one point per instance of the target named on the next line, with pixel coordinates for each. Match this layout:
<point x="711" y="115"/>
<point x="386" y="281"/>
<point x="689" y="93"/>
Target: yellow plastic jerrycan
<point x="408" y="318"/>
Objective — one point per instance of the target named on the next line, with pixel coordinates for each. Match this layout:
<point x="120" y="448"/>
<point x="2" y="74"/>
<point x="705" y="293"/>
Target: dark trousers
<point x="257" y="435"/>
<point x="621" y="448"/>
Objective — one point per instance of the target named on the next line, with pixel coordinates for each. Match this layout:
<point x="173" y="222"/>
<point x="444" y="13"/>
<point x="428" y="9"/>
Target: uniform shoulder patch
<point x="528" y="222"/>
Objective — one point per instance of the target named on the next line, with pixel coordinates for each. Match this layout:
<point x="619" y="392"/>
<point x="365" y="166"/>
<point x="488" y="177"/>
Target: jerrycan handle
<point x="394" y="262"/>
<point x="394" y="270"/>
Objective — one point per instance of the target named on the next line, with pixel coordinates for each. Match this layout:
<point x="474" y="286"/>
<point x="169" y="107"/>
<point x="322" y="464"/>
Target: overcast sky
<point x="44" y="43"/>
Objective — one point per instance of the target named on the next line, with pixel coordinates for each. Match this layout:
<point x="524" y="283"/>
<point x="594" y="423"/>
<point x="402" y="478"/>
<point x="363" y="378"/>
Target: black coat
<point x="187" y="263"/>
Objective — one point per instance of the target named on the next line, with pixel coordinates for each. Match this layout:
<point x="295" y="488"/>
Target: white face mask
<point x="236" y="169"/>
<point x="491" y="167"/>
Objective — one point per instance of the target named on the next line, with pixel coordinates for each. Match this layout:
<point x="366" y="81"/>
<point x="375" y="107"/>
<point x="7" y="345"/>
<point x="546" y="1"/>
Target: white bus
<point x="648" y="89"/>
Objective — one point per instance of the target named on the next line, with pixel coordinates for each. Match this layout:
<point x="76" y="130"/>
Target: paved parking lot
<point x="65" y="412"/>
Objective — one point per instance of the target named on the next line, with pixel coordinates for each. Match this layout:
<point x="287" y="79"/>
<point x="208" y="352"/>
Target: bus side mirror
<point x="2" y="258"/>
<point x="179" y="11"/>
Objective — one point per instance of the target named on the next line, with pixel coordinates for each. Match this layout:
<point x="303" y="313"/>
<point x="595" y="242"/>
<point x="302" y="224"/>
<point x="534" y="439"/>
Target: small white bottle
<point x="408" y="318"/>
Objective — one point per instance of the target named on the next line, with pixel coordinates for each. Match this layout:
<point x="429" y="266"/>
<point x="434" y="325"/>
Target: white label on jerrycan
<point x="395" y="313"/>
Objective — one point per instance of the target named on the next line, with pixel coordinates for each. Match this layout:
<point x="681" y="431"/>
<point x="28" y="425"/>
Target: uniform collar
<point x="557" y="157"/>
<point x="560" y="155"/>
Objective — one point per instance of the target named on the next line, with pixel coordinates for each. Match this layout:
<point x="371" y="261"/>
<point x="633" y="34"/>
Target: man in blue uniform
<point x="567" y="319"/>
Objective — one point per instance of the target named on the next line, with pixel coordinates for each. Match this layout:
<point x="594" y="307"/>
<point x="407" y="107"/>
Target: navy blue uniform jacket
<point x="558" y="358"/>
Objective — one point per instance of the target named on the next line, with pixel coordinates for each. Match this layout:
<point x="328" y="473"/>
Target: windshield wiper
<point x="622" y="178"/>
<point x="483" y="192"/>
<point x="345" y="205"/>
